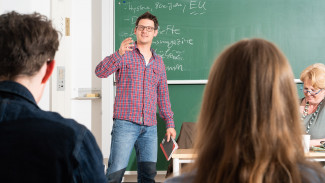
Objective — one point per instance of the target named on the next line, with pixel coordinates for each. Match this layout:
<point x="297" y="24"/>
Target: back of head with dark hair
<point x="26" y="43"/>
<point x="148" y="15"/>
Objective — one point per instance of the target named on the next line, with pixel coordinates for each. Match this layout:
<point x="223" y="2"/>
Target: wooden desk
<point x="182" y="156"/>
<point x="316" y="156"/>
<point x="187" y="156"/>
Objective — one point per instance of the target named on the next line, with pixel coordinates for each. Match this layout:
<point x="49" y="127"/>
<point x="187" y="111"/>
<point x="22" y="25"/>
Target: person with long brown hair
<point x="249" y="129"/>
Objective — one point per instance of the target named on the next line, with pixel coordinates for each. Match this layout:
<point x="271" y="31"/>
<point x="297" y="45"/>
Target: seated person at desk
<point x="38" y="146"/>
<point x="312" y="105"/>
<point x="249" y="128"/>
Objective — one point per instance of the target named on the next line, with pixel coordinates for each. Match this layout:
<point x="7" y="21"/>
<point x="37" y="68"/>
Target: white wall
<point x="107" y="37"/>
<point x="26" y="6"/>
<point x="81" y="58"/>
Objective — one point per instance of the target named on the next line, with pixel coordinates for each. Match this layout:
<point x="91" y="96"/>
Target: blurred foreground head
<point x="249" y="129"/>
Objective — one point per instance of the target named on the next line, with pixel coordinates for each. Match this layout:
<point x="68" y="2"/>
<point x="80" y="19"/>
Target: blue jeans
<point x="125" y="135"/>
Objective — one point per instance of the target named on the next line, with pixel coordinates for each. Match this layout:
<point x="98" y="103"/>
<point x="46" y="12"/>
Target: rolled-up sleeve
<point x="109" y="65"/>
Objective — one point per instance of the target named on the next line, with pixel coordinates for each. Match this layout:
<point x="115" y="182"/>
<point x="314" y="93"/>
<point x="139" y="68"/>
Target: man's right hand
<point x="126" y="45"/>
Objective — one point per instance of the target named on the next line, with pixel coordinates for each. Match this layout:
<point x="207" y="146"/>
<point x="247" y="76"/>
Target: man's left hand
<point x="170" y="132"/>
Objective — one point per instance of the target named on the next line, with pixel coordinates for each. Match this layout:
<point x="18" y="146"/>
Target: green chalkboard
<point x="193" y="32"/>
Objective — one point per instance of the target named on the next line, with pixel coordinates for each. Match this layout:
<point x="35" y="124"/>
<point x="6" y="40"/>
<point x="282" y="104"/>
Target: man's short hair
<point x="148" y="15"/>
<point x="27" y="41"/>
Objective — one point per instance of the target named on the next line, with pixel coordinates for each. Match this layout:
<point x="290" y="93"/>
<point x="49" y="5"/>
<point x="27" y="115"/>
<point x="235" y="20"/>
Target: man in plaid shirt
<point x="141" y="84"/>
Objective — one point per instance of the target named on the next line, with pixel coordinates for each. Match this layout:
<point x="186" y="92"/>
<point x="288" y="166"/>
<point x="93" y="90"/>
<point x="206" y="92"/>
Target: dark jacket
<point x="40" y="146"/>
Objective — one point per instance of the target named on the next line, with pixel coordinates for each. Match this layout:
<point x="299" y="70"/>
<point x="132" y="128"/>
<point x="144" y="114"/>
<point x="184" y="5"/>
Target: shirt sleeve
<point x="163" y="101"/>
<point x="89" y="160"/>
<point x="109" y="65"/>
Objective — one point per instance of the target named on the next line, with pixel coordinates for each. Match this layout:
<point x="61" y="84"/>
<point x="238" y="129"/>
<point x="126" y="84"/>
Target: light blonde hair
<point x="316" y="74"/>
<point x="248" y="129"/>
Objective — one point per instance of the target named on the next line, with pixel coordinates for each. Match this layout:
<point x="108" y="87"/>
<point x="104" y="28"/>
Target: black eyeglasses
<point x="141" y="28"/>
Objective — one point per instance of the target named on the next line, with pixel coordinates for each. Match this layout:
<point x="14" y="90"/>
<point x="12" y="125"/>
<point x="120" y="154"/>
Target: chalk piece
<point x="92" y="95"/>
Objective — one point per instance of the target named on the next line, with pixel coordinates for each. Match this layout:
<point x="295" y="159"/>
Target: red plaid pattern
<point x="139" y="88"/>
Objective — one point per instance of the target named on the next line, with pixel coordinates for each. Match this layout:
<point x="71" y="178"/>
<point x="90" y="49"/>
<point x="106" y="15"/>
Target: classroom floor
<point x="131" y="177"/>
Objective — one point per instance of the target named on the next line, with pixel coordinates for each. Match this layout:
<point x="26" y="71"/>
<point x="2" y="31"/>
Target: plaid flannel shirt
<point x="139" y="87"/>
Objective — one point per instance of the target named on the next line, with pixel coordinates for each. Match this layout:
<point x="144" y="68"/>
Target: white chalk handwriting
<point x="169" y="29"/>
<point x="192" y="7"/>
<point x="136" y="8"/>
<point x="168" y="54"/>
<point x="172" y="43"/>
<point x="175" y="42"/>
<point x="168" y="6"/>
<point x="177" y="67"/>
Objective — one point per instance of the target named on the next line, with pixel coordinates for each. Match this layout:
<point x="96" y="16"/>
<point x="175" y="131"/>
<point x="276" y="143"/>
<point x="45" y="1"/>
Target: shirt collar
<point x="18" y="90"/>
<point x="154" y="54"/>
